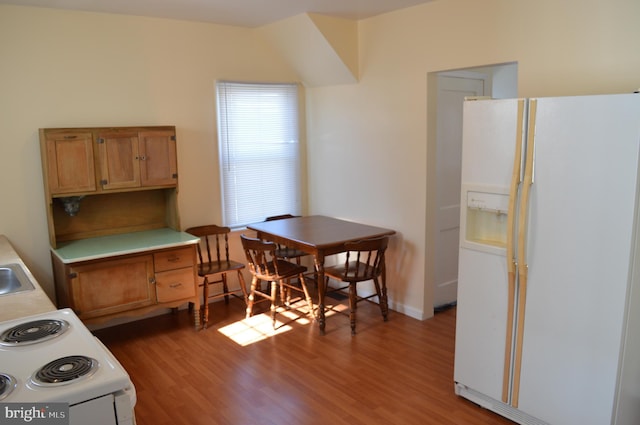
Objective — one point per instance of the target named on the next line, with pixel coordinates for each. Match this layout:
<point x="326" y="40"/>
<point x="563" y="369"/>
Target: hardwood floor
<point x="398" y="372"/>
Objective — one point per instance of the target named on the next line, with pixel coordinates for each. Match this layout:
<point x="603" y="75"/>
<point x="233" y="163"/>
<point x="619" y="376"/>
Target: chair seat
<point x="287" y="252"/>
<point x="286" y="270"/>
<point x="219" y="267"/>
<point x="354" y="272"/>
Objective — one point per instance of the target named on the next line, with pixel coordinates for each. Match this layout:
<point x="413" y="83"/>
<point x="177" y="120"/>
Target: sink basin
<point x="13" y="279"/>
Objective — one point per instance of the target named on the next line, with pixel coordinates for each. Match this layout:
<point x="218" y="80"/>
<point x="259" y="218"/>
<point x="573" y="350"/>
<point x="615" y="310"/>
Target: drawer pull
<point x="173" y="259"/>
<point x="175" y="285"/>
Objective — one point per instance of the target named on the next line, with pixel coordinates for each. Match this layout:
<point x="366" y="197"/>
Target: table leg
<point x="319" y="264"/>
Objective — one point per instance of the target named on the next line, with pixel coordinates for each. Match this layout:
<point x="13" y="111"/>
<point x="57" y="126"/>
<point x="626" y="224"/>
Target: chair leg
<point x="353" y="301"/>
<point x="355" y="296"/>
<point x="251" y="298"/>
<point x="225" y="288"/>
<point x="307" y="296"/>
<point x="274" y="293"/>
<point x="243" y="286"/>
<point x="285" y="296"/>
<point x="205" y="296"/>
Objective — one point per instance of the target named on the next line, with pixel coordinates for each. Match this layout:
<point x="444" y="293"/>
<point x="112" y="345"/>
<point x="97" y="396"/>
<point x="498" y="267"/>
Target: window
<point x="259" y="151"/>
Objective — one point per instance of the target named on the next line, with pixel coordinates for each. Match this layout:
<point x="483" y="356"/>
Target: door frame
<point x="444" y="295"/>
<point x="431" y="207"/>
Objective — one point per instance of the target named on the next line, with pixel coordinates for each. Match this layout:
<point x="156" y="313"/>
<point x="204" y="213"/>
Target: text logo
<point x="34" y="413"/>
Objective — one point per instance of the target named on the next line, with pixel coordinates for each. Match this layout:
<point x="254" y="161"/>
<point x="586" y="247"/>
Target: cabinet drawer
<point x="174" y="259"/>
<point x="175" y="285"/>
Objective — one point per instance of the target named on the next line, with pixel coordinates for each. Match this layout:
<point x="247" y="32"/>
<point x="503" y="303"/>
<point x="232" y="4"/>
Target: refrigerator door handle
<point x="522" y="258"/>
<point x="512" y="265"/>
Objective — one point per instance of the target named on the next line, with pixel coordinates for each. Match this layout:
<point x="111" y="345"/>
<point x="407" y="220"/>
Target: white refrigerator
<point x="548" y="315"/>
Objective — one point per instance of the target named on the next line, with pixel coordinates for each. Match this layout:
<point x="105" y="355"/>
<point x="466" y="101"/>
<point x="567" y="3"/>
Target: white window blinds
<point x="259" y="151"/>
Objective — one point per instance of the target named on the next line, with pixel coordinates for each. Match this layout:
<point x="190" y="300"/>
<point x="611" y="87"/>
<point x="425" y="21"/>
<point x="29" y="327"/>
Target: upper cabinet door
<point x="158" y="159"/>
<point x="69" y="162"/>
<point x="118" y="158"/>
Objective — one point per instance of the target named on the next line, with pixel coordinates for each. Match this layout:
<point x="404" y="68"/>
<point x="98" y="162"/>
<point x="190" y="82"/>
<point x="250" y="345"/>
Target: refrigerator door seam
<point x="522" y="260"/>
<point x="512" y="265"/>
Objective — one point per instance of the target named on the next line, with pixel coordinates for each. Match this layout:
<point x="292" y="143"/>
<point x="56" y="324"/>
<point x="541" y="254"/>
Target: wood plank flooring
<point x="238" y="372"/>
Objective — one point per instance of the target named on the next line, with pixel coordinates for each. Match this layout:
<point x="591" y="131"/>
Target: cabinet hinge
<point x="103" y="182"/>
<point x="73" y="275"/>
<point x="100" y="140"/>
<point x="174" y="175"/>
<point x="173" y="138"/>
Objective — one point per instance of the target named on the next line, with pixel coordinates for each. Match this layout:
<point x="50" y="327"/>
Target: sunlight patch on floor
<point x="260" y="327"/>
<point x="256" y="328"/>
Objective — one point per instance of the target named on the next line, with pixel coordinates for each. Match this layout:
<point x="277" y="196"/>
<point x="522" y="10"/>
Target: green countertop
<point x="128" y="243"/>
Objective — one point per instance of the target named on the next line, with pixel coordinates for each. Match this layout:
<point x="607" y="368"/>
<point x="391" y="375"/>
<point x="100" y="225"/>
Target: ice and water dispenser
<point x="484" y="219"/>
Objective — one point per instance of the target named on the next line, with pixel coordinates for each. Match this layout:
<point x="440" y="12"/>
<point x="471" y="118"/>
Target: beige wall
<point x="562" y="47"/>
<point x="63" y="69"/>
<point x="60" y="68"/>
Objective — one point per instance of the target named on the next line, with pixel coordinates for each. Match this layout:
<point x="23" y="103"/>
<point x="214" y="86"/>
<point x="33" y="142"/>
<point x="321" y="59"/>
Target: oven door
<point x="111" y="409"/>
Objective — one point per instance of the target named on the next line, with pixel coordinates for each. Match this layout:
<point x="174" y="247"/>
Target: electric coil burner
<point x="65" y="370"/>
<point x="33" y="332"/>
<point x="7" y="384"/>
<point x="53" y="357"/>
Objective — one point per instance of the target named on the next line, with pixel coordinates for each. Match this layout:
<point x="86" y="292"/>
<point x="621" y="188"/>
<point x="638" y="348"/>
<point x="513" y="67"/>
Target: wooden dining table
<point x="319" y="236"/>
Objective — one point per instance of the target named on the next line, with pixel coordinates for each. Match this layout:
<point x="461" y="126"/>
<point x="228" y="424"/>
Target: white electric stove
<point x="53" y="357"/>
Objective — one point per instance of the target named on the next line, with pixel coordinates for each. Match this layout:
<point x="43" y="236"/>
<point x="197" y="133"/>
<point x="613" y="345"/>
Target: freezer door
<point x="581" y="223"/>
<point x="488" y="150"/>
<point x="488" y="142"/>
<point x="481" y="322"/>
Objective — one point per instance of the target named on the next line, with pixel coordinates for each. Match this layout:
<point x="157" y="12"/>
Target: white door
<point x="451" y="93"/>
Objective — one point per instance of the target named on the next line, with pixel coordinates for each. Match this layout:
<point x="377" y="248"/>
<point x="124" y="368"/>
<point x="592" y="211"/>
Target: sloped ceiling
<point x="322" y="49"/>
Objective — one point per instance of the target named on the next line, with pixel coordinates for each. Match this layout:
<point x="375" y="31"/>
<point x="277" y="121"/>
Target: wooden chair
<point x="283" y="251"/>
<point x="364" y="261"/>
<point x="264" y="265"/>
<point x="214" y="262"/>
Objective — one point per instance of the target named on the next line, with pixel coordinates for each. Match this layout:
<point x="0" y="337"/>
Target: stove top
<point x="53" y="357"/>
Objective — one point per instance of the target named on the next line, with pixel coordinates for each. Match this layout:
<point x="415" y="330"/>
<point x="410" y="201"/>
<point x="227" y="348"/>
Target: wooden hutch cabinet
<point x="112" y="212"/>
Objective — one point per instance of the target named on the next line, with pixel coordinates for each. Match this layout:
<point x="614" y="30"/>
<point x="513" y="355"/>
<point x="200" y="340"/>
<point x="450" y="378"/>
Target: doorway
<point x="499" y="81"/>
